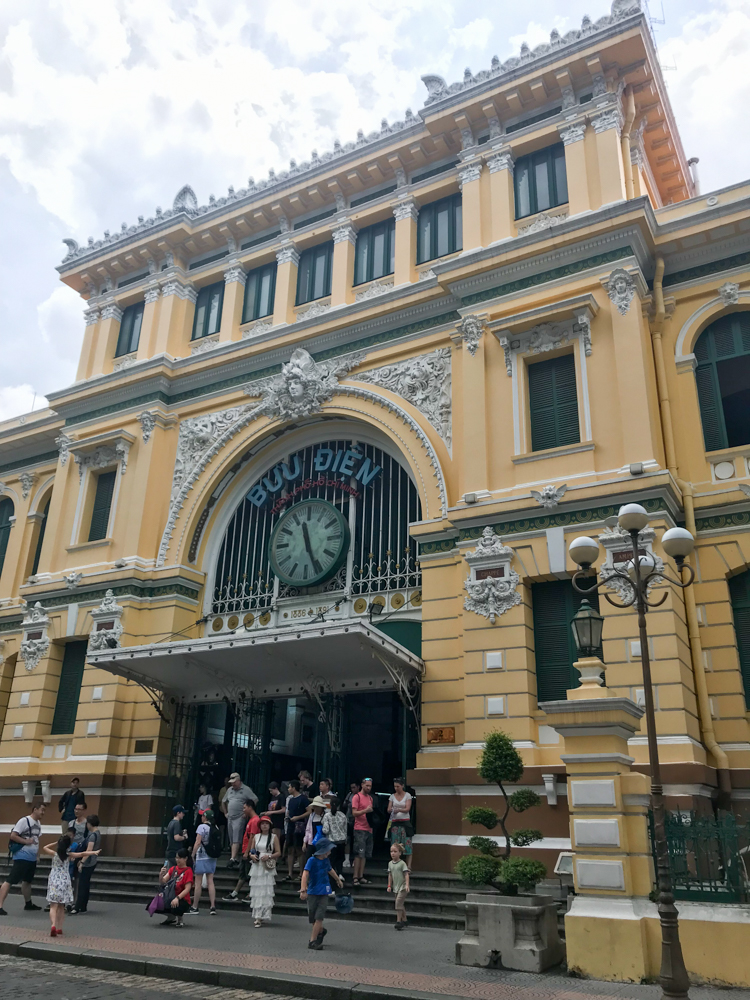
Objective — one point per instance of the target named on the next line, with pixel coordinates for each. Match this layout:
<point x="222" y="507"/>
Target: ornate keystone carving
<point x="63" y="442"/>
<point x="27" y="480"/>
<point x="549" y="496"/>
<point x="470" y="332"/>
<point x="491" y="586"/>
<point x="147" y="420"/>
<point x="729" y="293"/>
<point x="621" y="289"/>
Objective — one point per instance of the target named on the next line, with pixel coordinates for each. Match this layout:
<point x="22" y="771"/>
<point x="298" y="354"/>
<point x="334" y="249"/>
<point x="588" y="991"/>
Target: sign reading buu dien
<point x="335" y="468"/>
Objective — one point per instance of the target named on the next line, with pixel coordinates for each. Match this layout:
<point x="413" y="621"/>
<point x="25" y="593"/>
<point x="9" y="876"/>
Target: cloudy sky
<point x="107" y="109"/>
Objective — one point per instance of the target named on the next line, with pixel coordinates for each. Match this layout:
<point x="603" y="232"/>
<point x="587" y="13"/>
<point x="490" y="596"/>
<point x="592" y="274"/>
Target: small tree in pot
<point x="501" y="764"/>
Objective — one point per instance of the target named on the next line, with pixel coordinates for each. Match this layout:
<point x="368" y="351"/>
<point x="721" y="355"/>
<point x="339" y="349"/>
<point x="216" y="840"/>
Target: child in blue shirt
<point x="316" y="888"/>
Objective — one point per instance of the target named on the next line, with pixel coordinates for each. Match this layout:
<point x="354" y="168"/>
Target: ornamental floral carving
<point x="235" y="272"/>
<point x="621" y="289"/>
<point x="425" y="382"/>
<point x="618" y="547"/>
<point x="304" y="385"/>
<point x="374" y="289"/>
<point x="406" y="210"/>
<point x="204" y="345"/>
<point x="612" y="118"/>
<point x="501" y="161"/>
<point x="147" y="420"/>
<point x="313" y="311"/>
<point x="470" y="332"/>
<point x="107" y="624"/>
<point x="491" y="585"/>
<point x="549" y="496"/>
<point x="27" y="480"/>
<point x="255" y="330"/>
<point x="543" y="222"/>
<point x="127" y="362"/>
<point x="103" y="456"/>
<point x="729" y="293"/>
<point x="574" y="132"/>
<point x="35" y="644"/>
<point x="63" y="442"/>
<point x="470" y="173"/>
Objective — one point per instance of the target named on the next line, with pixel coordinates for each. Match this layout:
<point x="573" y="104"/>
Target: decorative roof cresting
<point x="186" y="203"/>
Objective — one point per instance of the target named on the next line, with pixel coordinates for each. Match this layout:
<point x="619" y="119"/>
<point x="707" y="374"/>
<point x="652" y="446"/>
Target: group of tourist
<point x="316" y="832"/>
<point x="74" y="857"/>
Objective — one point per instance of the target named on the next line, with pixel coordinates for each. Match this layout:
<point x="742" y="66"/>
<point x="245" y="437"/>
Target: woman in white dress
<point x="264" y="854"/>
<point x="59" y="886"/>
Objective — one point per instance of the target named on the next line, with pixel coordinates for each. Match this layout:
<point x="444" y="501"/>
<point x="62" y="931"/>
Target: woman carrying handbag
<point x="264" y="854"/>
<point x="399" y="810"/>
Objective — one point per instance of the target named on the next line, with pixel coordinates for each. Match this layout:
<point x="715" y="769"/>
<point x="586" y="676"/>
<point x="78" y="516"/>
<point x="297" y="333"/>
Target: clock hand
<point x="316" y="565"/>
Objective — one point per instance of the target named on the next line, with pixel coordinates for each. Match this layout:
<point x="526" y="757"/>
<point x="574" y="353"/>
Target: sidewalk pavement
<point x="360" y="961"/>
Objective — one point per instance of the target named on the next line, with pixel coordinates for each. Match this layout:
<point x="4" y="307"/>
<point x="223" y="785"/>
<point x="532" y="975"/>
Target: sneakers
<point x="167" y="922"/>
<point x="193" y="910"/>
<point x="347" y="863"/>
<point x="179" y="922"/>
<point x="212" y="912"/>
<point x="3" y="913"/>
<point x="233" y="863"/>
<point x="315" y="945"/>
<point x="231" y="898"/>
<point x="31" y="906"/>
<point x="399" y="925"/>
<point x="322" y="935"/>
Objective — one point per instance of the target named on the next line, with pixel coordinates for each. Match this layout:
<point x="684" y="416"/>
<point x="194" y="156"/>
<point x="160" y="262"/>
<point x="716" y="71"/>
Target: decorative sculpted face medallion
<point x="309" y="543"/>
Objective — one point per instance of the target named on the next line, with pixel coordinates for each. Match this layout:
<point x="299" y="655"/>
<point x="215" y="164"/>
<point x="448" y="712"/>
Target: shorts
<point x="316" y="908"/>
<point x="21" y="871"/>
<point x="244" y="870"/>
<point x="236" y="827"/>
<point x="205" y="866"/>
<point x="401" y="899"/>
<point x="294" y="841"/>
<point x="363" y="844"/>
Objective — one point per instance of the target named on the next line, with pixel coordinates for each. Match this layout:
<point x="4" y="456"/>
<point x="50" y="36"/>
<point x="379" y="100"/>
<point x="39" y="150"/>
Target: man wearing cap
<point x="175" y="835"/>
<point x="362" y="807"/>
<point x="232" y="807"/>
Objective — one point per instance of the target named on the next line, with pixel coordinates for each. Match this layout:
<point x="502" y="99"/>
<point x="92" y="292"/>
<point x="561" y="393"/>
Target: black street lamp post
<point x="641" y="573"/>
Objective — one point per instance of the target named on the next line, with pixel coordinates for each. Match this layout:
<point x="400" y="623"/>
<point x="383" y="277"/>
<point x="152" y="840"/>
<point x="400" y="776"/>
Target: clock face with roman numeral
<point x="309" y="543"/>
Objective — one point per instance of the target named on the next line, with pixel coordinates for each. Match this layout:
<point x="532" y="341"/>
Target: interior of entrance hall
<point x="344" y="738"/>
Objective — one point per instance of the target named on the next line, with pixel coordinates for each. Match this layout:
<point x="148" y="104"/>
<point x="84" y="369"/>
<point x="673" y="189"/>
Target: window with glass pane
<point x="375" y="254"/>
<point x="723" y="379"/>
<point x="259" y="292"/>
<point x="439" y="229"/>
<point x="540" y="181"/>
<point x="6" y="513"/>
<point x="208" y="310"/>
<point x="105" y="488"/>
<point x="130" y="330"/>
<point x="314" y="274"/>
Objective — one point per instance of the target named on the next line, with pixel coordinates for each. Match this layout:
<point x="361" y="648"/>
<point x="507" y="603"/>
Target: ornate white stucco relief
<point x="424" y="381"/>
<point x="494" y="592"/>
<point x="107" y="624"/>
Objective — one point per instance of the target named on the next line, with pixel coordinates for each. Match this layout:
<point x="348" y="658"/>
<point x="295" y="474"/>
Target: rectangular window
<point x="314" y="274"/>
<point x="130" y="330"/>
<point x="553" y="403"/>
<point x="105" y="487"/>
<point x="540" y="181"/>
<point x="439" y="229"/>
<point x="259" y="291"/>
<point x="208" y="310"/>
<point x="69" y="688"/>
<point x="375" y="253"/>
<point x="554" y="606"/>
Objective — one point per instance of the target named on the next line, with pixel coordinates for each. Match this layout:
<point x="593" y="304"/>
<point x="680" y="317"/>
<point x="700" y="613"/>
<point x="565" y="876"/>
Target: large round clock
<point x="309" y="543"/>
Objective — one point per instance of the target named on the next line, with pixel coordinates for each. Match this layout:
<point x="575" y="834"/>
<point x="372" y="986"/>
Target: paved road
<point x="27" y="977"/>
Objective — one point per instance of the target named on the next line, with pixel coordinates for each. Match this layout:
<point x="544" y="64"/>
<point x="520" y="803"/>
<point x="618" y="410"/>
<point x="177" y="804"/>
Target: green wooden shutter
<point x="105" y="487"/>
<point x="69" y="689"/>
<point x="553" y="403"/>
<point x="712" y="416"/>
<point x="554" y="606"/>
<point x="6" y="512"/>
<point x="739" y="593"/>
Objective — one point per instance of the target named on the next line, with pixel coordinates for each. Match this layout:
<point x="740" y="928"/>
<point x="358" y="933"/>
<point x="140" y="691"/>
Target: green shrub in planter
<point x="501" y="763"/>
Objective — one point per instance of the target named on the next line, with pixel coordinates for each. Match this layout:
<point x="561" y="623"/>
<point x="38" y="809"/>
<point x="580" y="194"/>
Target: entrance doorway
<point x="342" y="737"/>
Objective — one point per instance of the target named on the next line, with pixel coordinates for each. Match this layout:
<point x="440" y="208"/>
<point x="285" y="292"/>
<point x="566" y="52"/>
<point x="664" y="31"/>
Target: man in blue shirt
<point x="24" y="840"/>
<point x="316" y="888"/>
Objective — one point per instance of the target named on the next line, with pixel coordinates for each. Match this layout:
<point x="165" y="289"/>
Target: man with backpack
<point x="206" y="849"/>
<point x="24" y="850"/>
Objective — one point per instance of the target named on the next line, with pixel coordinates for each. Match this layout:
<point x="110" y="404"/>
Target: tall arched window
<point x="40" y="540"/>
<point x="6" y="513"/>
<point x="723" y="378"/>
<point x="739" y="594"/>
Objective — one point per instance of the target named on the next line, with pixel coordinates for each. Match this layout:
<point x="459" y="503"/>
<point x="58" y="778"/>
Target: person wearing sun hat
<point x="316" y="888"/>
<point x="264" y="854"/>
<point x="314" y="828"/>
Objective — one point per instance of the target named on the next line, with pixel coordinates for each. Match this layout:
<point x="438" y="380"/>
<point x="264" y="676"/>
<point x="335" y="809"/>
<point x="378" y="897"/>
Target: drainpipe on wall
<point x="696" y="650"/>
<point x="625" y="141"/>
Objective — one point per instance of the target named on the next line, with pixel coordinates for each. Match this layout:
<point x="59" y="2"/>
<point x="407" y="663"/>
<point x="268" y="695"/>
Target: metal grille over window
<point x="378" y="500"/>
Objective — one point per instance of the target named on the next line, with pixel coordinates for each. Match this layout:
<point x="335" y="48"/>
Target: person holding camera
<point x="264" y="854"/>
<point x="183" y="873"/>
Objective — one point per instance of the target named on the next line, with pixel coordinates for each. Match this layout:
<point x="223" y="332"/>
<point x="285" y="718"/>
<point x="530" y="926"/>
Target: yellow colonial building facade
<point x="402" y="374"/>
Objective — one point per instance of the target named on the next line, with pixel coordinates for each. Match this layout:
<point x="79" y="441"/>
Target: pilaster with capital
<point x="105" y="342"/>
<point x="575" y="141"/>
<point x="502" y="206"/>
<point x="342" y="274"/>
<point x="405" y="213"/>
<point x="470" y="382"/>
<point x="149" y="323"/>
<point x="470" y="183"/>
<point x="287" y="259"/>
<point x="235" y="279"/>
<point x="607" y="126"/>
<point x="92" y="318"/>
<point x="175" y="317"/>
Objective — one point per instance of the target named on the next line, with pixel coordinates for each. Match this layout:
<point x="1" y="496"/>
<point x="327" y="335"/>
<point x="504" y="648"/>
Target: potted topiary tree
<point x="501" y="764"/>
<point x="517" y="932"/>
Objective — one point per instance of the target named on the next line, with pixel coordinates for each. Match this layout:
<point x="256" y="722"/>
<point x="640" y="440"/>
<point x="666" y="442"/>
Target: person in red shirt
<point x="181" y="902"/>
<point x="362" y="807"/>
<point x="251" y="828"/>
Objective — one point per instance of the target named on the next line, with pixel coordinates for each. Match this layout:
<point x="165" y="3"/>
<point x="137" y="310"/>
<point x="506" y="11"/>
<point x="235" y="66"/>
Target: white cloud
<point x="15" y="399"/>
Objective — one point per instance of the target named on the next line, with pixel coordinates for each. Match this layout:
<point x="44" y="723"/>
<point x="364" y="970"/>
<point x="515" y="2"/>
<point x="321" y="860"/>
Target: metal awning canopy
<point x="269" y="663"/>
